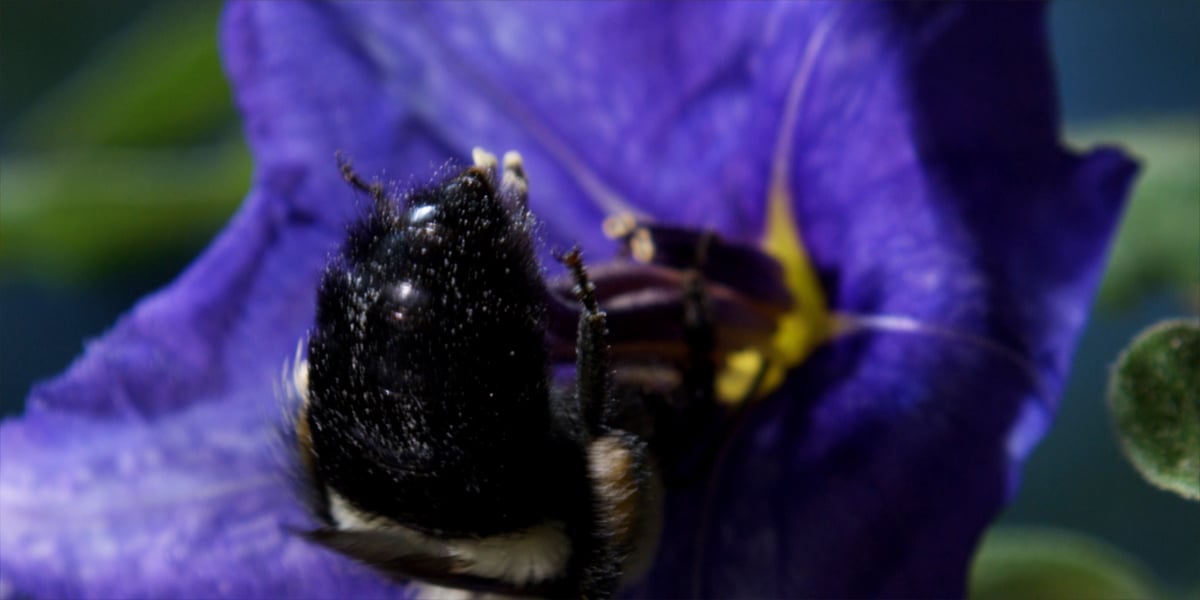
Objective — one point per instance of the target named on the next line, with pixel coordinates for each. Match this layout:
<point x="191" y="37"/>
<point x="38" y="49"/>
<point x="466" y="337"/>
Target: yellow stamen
<point x="755" y="372"/>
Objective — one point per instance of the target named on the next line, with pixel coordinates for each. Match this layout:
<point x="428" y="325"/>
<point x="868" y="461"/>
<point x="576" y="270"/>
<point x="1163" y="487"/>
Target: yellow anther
<point x="642" y="245"/>
<point x="619" y="225"/>
<point x="483" y="159"/>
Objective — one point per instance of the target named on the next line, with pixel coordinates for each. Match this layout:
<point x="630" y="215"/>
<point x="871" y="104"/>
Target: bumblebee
<point x="439" y="443"/>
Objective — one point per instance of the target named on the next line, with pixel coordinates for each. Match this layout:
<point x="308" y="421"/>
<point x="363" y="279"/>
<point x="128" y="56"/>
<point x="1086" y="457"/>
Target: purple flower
<point x="956" y="244"/>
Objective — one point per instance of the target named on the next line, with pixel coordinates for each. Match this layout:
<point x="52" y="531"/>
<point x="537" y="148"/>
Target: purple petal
<point x="920" y="148"/>
<point x="193" y="504"/>
<point x="938" y="208"/>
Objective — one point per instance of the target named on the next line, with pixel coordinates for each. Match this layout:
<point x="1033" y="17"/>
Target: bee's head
<point x="428" y="381"/>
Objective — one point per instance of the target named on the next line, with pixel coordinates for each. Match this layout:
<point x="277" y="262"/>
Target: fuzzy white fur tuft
<point x="523" y="557"/>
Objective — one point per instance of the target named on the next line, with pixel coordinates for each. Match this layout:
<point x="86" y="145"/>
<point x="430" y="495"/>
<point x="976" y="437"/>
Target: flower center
<point x="757" y="371"/>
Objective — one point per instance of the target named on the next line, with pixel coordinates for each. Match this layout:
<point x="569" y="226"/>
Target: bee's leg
<point x="695" y="419"/>
<point x="700" y="371"/>
<point x="645" y="306"/>
<point x="625" y="490"/>
<point x="734" y="290"/>
<point x="593" y="377"/>
<point x="744" y="269"/>
<point x="628" y="500"/>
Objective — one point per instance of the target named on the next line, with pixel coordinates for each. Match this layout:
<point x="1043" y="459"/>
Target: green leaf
<point x="159" y="82"/>
<point x="1154" y="396"/>
<point x="1158" y="244"/>
<point x="78" y="213"/>
<point x="133" y="156"/>
<point x="1048" y="564"/>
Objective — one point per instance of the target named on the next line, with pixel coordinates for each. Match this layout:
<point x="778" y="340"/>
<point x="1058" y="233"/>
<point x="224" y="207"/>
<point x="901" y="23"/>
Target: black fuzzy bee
<point x="435" y="439"/>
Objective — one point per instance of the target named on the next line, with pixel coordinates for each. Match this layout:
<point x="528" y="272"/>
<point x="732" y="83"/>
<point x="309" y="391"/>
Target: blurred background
<point x="121" y="156"/>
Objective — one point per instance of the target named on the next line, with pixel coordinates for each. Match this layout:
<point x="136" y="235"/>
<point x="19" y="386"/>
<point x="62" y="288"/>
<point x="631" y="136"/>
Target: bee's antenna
<point x="374" y="189"/>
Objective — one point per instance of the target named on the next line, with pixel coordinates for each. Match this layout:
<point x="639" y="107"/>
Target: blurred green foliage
<point x="1048" y="564"/>
<point x="85" y="212"/>
<point x="160" y="82"/>
<point x="136" y="153"/>
<point x="1158" y="244"/>
<point x="1154" y="396"/>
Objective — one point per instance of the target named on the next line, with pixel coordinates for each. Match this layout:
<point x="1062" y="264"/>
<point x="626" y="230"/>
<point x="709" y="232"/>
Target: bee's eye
<point x="421" y="214"/>
<point x="403" y="292"/>
<point x="400" y="299"/>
